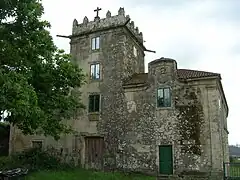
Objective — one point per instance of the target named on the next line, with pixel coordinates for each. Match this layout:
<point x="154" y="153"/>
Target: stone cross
<point x="97" y="10"/>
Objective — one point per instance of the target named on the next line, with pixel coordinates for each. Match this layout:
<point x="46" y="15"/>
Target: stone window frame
<point x="170" y="97"/>
<point x="99" y="105"/>
<point x="37" y="140"/>
<point x="94" y="44"/>
<point x="99" y="71"/>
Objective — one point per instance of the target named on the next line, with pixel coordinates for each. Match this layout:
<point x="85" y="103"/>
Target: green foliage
<point x="7" y="162"/>
<point x="37" y="159"/>
<point x="4" y="130"/>
<point x="234" y="159"/>
<point x="4" y="138"/>
<point x="77" y="174"/>
<point x="38" y="82"/>
<point x="34" y="160"/>
<point x="48" y="165"/>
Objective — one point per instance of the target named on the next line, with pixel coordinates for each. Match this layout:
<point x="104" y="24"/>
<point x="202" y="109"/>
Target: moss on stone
<point x="190" y="121"/>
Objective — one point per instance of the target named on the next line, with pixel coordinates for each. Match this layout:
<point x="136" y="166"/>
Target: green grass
<point x="78" y="174"/>
<point x="235" y="171"/>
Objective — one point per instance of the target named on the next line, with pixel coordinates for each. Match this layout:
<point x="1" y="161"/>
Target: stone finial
<point x="141" y="35"/>
<point x="85" y="20"/>
<point x="137" y="30"/>
<point x="108" y="15"/>
<point x="75" y="22"/>
<point x="121" y="11"/>
<point x="132" y="24"/>
<point x="127" y="17"/>
<point x="97" y="19"/>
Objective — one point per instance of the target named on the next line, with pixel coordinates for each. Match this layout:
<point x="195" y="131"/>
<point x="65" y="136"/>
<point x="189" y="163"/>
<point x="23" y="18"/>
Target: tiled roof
<point x="191" y="74"/>
<point x="181" y="74"/>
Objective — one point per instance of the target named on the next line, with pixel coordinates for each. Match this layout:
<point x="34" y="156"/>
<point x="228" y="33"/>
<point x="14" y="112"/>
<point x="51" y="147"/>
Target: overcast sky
<point x="199" y="34"/>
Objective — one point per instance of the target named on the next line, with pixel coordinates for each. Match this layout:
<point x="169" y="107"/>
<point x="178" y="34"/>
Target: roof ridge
<point x="197" y="70"/>
<point x="141" y="78"/>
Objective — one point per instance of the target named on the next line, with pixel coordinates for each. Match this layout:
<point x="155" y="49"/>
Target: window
<point x="95" y="43"/>
<point x="219" y="103"/>
<point x="134" y="51"/>
<point x="37" y="144"/>
<point x="163" y="97"/>
<point x="94" y="103"/>
<point x="95" y="71"/>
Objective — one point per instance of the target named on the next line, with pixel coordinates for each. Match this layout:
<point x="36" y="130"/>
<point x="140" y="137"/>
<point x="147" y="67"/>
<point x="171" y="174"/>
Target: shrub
<point x="4" y="138"/>
<point x="7" y="162"/>
<point x="34" y="160"/>
<point x="4" y="129"/>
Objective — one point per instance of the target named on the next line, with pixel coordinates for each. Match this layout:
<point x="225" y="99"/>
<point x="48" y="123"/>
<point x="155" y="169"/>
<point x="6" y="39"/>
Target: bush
<point x="34" y="160"/>
<point x="4" y="129"/>
<point x="7" y="162"/>
<point x="4" y="138"/>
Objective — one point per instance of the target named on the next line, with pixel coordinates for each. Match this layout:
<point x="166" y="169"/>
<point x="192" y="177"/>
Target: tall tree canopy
<point x="38" y="82"/>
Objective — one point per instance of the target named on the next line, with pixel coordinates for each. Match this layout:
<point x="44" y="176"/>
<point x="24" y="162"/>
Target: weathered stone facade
<point x="129" y="120"/>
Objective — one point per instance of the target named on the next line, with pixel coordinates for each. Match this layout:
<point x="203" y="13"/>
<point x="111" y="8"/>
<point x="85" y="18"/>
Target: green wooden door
<point x="165" y="159"/>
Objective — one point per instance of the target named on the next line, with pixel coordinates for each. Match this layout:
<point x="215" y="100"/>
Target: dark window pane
<point x="160" y="98"/>
<point x="37" y="144"/>
<point x="96" y="103"/>
<point x="91" y="103"/>
<point x="160" y="102"/>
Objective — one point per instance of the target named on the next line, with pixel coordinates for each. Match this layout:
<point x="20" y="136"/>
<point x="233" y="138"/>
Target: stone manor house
<point x="166" y="121"/>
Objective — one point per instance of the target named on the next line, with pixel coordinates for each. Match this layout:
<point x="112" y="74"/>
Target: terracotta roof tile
<point x="141" y="78"/>
<point x="191" y="74"/>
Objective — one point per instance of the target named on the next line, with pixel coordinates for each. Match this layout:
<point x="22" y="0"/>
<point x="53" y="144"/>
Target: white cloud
<point x="200" y="35"/>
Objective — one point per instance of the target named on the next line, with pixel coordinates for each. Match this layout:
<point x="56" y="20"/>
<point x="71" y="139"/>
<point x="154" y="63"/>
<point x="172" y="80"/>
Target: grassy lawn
<point x="79" y="174"/>
<point x="235" y="170"/>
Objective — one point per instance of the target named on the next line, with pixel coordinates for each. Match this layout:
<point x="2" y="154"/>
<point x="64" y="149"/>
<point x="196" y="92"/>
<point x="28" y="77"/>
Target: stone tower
<point x="108" y="50"/>
<point x="113" y="42"/>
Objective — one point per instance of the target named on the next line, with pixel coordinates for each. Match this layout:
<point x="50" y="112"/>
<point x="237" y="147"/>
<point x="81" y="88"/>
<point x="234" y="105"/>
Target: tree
<point x="39" y="84"/>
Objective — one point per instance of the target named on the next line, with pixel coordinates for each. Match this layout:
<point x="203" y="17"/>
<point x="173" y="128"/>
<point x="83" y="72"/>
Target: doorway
<point x="94" y="149"/>
<point x="165" y="159"/>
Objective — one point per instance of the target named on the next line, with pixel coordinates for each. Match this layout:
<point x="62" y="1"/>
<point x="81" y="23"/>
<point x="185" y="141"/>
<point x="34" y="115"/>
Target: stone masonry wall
<point x="105" y="23"/>
<point x="114" y="121"/>
<point x="132" y="63"/>
<point x="192" y="152"/>
<point x="131" y="124"/>
<point x="224" y="128"/>
<point x="215" y="128"/>
<point x="185" y="126"/>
